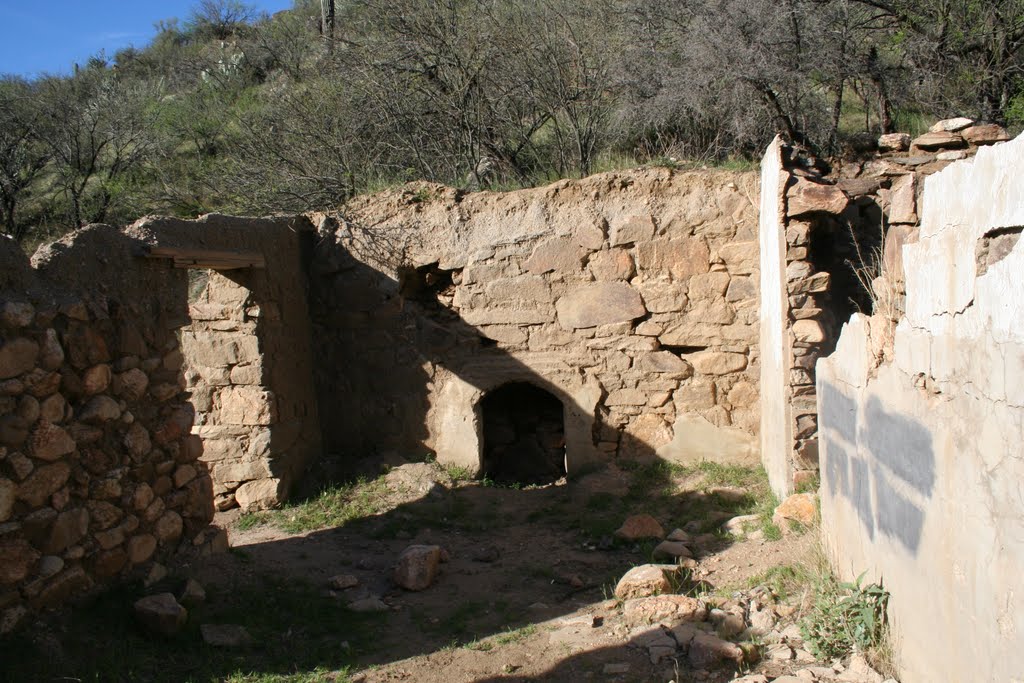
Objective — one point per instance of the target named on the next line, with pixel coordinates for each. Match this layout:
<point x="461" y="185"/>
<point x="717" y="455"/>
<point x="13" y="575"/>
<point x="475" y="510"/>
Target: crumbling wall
<point x="98" y="471"/>
<point x="101" y="471"/>
<point x="797" y="307"/>
<point x="921" y="428"/>
<point x="633" y="297"/>
<point x="835" y="231"/>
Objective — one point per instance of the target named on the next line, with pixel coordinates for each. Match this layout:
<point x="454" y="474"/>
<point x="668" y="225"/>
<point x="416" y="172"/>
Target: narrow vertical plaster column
<point x="776" y="419"/>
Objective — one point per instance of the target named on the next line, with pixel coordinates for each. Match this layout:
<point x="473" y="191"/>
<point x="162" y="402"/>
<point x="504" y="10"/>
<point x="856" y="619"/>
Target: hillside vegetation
<point x="232" y="111"/>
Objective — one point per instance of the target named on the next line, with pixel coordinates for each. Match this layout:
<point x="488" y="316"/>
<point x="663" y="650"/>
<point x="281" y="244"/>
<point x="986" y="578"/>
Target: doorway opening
<point x="523" y="435"/>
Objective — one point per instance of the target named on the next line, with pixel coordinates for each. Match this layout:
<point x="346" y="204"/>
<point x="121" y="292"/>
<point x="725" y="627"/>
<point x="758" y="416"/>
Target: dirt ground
<point x="527" y="594"/>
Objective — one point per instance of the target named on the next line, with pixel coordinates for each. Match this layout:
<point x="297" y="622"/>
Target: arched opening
<point x="523" y="435"/>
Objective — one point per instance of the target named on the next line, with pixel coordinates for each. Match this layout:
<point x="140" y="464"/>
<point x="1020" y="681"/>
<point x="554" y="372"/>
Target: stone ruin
<point x="629" y="299"/>
<point x="106" y="446"/>
<point x="832" y="247"/>
<point x="152" y="374"/>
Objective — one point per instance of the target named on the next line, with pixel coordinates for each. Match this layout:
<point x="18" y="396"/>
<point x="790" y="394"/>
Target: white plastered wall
<point x="922" y="460"/>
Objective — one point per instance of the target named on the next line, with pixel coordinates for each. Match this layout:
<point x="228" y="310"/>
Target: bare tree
<point x="972" y="50"/>
<point x="221" y="18"/>
<point x="22" y="154"/>
<point x="97" y="132"/>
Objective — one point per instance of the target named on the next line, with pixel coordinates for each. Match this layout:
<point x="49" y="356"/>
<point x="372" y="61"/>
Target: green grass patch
<point x="846" y="617"/>
<point x="516" y="635"/>
<point x="810" y="486"/>
<point x="716" y="474"/>
<point x="784" y="580"/>
<point x="765" y="510"/>
<point x="506" y="638"/>
<point x="332" y="507"/>
<point x="251" y="520"/>
<point x="458" y="473"/>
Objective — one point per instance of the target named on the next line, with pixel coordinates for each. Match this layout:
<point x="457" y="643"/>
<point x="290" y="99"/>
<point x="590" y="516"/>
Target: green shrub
<point x="845" y="617"/>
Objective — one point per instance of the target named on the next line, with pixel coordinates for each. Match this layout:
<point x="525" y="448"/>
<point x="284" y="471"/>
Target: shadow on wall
<point x="127" y="483"/>
<point x="381" y="352"/>
<point x="384" y="348"/>
<point x="889" y="489"/>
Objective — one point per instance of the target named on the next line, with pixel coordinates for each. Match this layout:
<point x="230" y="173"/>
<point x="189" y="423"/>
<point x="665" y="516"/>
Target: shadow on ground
<point x="530" y="574"/>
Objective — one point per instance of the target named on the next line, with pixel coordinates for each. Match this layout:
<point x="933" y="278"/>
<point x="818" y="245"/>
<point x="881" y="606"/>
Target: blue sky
<point x="49" y="36"/>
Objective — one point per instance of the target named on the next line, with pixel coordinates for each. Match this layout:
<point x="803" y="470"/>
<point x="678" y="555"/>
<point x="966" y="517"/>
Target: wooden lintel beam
<point x="213" y="259"/>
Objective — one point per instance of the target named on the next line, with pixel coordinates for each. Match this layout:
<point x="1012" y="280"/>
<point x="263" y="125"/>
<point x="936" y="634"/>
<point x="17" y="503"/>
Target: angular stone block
<point x="246" y="405"/>
<point x="601" y="303"/>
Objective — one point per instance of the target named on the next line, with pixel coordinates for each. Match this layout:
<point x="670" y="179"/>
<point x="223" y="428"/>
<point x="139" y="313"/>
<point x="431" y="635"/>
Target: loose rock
<point x="800" y="507"/>
<point x="646" y="580"/>
<point x="639" y="527"/>
<point x="342" y="582"/>
<point x="160" y="614"/>
<point x="369" y="604"/>
<point x="417" y="567"/>
<point x="663" y="609"/>
<point x="707" y="650"/>
<point x="193" y="593"/>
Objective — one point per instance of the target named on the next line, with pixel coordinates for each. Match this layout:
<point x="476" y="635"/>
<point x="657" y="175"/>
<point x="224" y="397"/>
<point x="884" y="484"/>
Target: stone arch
<point x="456" y="418"/>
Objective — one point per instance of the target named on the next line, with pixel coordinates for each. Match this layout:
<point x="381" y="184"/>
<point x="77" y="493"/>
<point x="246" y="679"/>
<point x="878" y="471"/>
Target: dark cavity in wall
<point x="427" y="284"/>
<point x="523" y="435"/>
<point x="996" y="245"/>
<point x="849" y="252"/>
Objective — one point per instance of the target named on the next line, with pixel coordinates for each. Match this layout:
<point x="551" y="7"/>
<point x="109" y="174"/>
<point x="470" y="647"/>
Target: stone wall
<point x="632" y="297"/>
<point x="808" y="235"/>
<point x="100" y="472"/>
<point x="247" y="356"/>
<point x="921" y="426"/>
<point x="832" y="228"/>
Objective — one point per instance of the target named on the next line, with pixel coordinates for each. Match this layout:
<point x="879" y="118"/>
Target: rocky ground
<point x="651" y="574"/>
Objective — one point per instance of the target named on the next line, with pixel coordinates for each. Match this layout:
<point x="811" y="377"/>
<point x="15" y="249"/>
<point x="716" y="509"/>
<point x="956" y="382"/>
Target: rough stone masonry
<point x="631" y="297"/>
<point x="102" y="471"/>
<point x="133" y="396"/>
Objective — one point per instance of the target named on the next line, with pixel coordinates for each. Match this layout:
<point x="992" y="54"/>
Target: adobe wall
<point x="921" y="427"/>
<point x="100" y="472"/>
<point x="633" y="297"/>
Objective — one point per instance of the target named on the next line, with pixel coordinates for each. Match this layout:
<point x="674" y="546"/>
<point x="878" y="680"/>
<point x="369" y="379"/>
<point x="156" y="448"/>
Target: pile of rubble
<point x="748" y="629"/>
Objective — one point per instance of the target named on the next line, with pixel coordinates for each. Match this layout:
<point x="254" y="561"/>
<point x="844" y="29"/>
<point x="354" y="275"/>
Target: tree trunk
<point x="882" y="92"/>
<point x="327" y="25"/>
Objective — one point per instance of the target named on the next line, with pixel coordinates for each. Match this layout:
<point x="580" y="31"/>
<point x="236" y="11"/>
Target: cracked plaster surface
<point x="957" y="372"/>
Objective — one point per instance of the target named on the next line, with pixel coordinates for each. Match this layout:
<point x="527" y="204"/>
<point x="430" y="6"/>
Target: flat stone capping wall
<point x="631" y="296"/>
<point x="921" y="426"/>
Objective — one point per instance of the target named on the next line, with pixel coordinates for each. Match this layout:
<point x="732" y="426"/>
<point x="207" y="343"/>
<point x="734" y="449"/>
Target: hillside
<point x="230" y="111"/>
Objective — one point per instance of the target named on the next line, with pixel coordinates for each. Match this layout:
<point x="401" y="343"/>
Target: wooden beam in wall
<point x="214" y="259"/>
